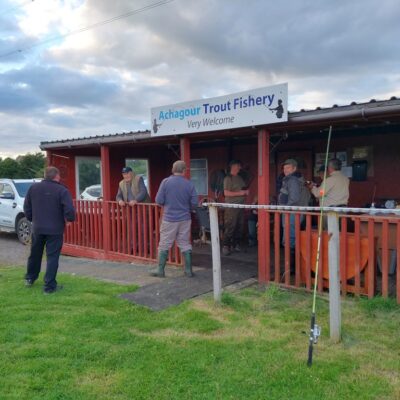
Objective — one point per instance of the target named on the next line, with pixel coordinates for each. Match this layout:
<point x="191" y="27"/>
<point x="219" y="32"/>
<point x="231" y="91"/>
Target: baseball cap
<point x="291" y="161"/>
<point x="125" y="170"/>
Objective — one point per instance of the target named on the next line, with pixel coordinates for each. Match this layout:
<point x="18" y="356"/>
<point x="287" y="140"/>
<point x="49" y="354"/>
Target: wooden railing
<point x="108" y="231"/>
<point x="369" y="252"/>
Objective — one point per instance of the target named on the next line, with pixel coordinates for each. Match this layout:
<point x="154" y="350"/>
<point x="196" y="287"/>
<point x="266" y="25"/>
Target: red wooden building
<point x="365" y="136"/>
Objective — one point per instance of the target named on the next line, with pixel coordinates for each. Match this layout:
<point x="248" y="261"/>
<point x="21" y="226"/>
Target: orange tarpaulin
<point x="350" y="266"/>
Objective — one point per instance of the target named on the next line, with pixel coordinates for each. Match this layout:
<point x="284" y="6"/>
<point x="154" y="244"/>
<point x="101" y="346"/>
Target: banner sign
<point x="251" y="108"/>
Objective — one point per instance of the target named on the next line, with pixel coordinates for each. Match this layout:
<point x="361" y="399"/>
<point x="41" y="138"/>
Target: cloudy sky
<point x="57" y="83"/>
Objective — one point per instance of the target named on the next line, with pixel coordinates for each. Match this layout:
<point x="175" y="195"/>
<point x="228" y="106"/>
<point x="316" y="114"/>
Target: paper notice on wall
<point x="347" y="171"/>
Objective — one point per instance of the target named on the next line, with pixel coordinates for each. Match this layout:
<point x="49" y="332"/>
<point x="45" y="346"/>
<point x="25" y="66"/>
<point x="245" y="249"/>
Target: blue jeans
<point x="292" y="229"/>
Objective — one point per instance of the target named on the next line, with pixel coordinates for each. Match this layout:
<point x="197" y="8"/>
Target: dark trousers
<point x="53" y="248"/>
<point x="233" y="226"/>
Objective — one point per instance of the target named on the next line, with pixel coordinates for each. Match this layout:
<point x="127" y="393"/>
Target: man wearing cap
<point x="336" y="186"/>
<point x="132" y="189"/>
<point x="293" y="193"/>
<point x="178" y="196"/>
<point x="234" y="192"/>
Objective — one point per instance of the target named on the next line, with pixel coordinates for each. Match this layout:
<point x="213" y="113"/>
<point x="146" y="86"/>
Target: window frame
<point x="78" y="159"/>
<point x="200" y="169"/>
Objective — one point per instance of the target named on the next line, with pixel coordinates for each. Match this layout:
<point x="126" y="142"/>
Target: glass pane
<point x="22" y="187"/>
<point x="6" y="190"/>
<point x="198" y="164"/>
<point x="89" y="174"/>
<point x="199" y="175"/>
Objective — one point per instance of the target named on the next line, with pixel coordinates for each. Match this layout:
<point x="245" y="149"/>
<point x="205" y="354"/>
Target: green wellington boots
<point x="187" y="256"/>
<point x="162" y="260"/>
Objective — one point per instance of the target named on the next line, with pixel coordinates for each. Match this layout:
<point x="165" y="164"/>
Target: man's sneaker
<point x="56" y="289"/>
<point x="226" y="251"/>
<point x="237" y="248"/>
<point x="29" y="282"/>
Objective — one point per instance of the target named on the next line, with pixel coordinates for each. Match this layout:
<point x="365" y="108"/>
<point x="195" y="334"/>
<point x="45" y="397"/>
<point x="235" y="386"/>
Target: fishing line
<point x="315" y="330"/>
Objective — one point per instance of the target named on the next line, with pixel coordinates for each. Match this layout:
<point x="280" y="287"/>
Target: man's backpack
<point x="305" y="195"/>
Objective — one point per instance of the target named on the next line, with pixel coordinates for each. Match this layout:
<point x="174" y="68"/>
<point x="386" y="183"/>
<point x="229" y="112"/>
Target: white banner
<point x="251" y="108"/>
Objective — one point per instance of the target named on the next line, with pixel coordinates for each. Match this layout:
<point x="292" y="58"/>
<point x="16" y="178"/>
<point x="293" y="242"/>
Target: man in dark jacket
<point x="48" y="204"/>
<point x="293" y="192"/>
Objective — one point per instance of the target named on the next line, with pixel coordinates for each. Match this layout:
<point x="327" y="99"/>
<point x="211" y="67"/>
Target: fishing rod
<point x="315" y="330"/>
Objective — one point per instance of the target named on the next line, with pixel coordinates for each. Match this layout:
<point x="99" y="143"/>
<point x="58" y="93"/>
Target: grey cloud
<point x="341" y="50"/>
<point x="39" y="87"/>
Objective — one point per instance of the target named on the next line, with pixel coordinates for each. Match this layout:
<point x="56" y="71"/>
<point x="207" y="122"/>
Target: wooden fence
<point x="106" y="230"/>
<point x="369" y="252"/>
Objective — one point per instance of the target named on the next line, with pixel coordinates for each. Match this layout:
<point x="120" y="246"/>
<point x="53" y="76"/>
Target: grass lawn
<point x="86" y="343"/>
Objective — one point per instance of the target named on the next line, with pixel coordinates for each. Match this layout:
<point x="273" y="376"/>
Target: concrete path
<point x="155" y="293"/>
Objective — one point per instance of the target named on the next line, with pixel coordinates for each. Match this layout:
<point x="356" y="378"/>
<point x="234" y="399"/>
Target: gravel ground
<point x="12" y="252"/>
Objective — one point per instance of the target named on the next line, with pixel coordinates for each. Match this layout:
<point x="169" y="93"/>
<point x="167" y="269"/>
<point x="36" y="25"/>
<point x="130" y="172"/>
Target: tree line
<point x="26" y="166"/>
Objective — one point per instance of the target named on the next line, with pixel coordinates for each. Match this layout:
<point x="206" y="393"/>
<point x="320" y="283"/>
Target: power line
<point x="8" y="10"/>
<point x="96" y="25"/>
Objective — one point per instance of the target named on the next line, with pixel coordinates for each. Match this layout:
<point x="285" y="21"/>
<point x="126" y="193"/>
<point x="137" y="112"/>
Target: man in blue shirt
<point x="178" y="196"/>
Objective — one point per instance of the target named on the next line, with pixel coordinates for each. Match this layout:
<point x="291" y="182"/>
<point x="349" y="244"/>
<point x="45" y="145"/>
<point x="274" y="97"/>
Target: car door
<point x="7" y="205"/>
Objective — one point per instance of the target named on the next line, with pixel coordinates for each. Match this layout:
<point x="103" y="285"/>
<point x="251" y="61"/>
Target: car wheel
<point x="24" y="230"/>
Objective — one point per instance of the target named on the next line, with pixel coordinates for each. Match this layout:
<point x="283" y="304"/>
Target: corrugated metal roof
<point x="293" y="117"/>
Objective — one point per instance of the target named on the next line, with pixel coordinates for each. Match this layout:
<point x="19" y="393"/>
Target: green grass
<point x="87" y="343"/>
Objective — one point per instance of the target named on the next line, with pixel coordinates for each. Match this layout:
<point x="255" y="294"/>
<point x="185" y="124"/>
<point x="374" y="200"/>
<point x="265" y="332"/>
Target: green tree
<point x="26" y="166"/>
<point x="31" y="165"/>
<point x="9" y="168"/>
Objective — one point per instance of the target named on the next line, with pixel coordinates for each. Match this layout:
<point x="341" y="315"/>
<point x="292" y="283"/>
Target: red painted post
<point x="151" y="230"/>
<point x="385" y="258"/>
<point x="135" y="230"/>
<point x="357" y="269"/>
<point x="343" y="255"/>
<point x="286" y="230"/>
<point x="105" y="172"/>
<point x="185" y="154"/>
<point x="48" y="158"/>
<point x="398" y="263"/>
<point x="370" y="284"/>
<point x="309" y="260"/>
<point x="106" y="186"/>
<point x="277" y="246"/>
<point x="297" y="252"/>
<point x="263" y="198"/>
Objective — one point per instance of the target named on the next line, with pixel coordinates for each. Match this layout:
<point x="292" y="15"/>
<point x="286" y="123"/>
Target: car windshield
<point x="95" y="192"/>
<point x="22" y="187"/>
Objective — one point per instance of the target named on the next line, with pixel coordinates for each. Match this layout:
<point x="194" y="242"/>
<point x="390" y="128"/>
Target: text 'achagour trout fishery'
<point x="237" y="103"/>
<point x="255" y="107"/>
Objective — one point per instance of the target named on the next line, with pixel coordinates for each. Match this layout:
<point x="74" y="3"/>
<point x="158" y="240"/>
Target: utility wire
<point x="8" y="10"/>
<point x="87" y="28"/>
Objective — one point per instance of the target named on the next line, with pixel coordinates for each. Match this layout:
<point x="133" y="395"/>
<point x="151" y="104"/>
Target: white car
<point x="93" y="192"/>
<point x="12" y="217"/>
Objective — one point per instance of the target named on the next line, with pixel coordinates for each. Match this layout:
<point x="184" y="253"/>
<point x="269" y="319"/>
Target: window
<point x="140" y="167"/>
<point x="88" y="173"/>
<point x="22" y="187"/>
<point x="199" y="175"/>
<point x="6" y="191"/>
